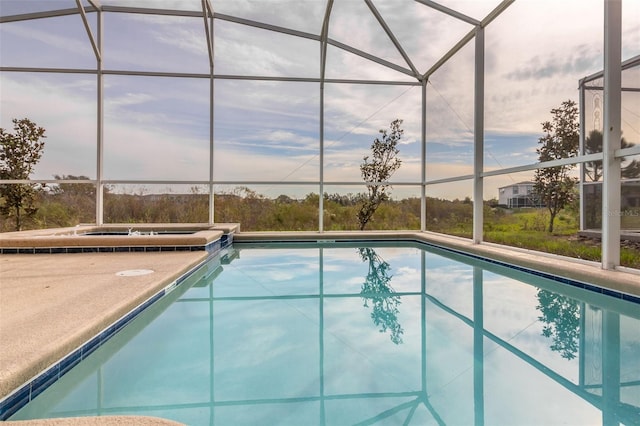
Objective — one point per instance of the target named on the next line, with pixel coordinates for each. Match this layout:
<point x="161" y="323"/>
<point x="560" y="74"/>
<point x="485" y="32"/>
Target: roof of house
<point x="525" y="182"/>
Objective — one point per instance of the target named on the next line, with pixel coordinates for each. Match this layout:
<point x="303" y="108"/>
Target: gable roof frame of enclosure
<point x="611" y="156"/>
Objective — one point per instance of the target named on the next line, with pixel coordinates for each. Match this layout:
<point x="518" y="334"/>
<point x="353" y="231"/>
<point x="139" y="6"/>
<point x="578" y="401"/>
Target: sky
<point x="158" y="128"/>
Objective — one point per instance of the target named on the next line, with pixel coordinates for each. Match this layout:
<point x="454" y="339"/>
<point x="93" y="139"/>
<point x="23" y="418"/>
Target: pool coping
<point x="136" y="238"/>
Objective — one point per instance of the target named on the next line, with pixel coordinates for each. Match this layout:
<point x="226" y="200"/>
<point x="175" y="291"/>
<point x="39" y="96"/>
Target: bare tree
<point x="378" y="169"/>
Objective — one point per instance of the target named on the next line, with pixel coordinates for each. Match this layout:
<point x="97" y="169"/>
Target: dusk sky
<point x="157" y="127"/>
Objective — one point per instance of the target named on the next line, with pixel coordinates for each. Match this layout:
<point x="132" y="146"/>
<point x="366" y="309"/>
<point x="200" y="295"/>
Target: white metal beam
<point x="623" y="152"/>
<point x="324" y="35"/>
<point x="582" y="208"/>
<point x="267" y="27"/>
<point x="496" y="12"/>
<point x="611" y="197"/>
<point x="392" y="37"/>
<point x="459" y="45"/>
<point x="216" y="76"/>
<point x="450" y="12"/>
<point x="49" y="70"/>
<point x="629" y="63"/>
<point x="39" y="15"/>
<point x="206" y="13"/>
<point x="554" y="163"/>
<point x="316" y="80"/>
<point x="467" y="37"/>
<point x="423" y="159"/>
<point x="370" y="57"/>
<point x="448" y="179"/>
<point x="478" y="138"/>
<point x="100" y="127"/>
<point x="87" y="27"/>
<point x="152" y="11"/>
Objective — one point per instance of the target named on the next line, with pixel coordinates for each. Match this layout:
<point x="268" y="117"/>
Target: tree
<point x="379" y="169"/>
<point x="19" y="153"/>
<point x="553" y="185"/>
<point x="593" y="169"/>
<point x="75" y="190"/>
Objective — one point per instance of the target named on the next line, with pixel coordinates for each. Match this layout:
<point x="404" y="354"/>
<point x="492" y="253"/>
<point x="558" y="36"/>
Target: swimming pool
<point x="363" y="334"/>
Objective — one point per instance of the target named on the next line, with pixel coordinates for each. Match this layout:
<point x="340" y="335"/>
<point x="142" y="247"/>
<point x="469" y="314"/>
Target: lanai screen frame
<point x="591" y="83"/>
<point x="612" y="154"/>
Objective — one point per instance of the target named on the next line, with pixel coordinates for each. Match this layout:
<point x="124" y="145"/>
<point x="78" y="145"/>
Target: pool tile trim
<point x="119" y="249"/>
<point x="209" y="247"/>
<point x="34" y="387"/>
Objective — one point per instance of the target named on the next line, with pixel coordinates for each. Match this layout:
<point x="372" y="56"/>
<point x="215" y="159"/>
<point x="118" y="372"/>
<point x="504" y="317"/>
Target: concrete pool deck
<point x="52" y="303"/>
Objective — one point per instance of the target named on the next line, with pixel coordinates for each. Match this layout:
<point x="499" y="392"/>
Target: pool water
<point x="342" y="334"/>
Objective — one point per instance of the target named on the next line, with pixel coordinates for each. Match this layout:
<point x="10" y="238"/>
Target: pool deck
<point x="52" y="303"/>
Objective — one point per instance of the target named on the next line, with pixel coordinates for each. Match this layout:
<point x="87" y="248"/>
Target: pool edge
<point x="623" y="281"/>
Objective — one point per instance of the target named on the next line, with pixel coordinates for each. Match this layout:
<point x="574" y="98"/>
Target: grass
<point x="528" y="229"/>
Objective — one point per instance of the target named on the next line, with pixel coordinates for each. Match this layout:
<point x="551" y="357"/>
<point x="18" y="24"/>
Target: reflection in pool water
<point x="377" y="290"/>
<point x="376" y="334"/>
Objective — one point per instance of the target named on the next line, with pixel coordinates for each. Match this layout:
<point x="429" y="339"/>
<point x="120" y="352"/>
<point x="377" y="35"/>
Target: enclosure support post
<point x="321" y="171"/>
<point x="581" y="150"/>
<point x="323" y="65"/>
<point x="612" y="133"/>
<point x="211" y="117"/>
<point x="423" y="159"/>
<point x="478" y="137"/>
<point x="100" y="129"/>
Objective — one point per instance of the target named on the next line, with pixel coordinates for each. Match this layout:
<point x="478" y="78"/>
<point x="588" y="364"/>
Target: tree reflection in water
<point x="561" y="316"/>
<point x="377" y="290"/>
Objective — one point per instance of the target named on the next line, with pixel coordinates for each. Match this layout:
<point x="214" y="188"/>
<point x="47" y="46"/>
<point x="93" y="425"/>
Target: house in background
<point x="519" y="194"/>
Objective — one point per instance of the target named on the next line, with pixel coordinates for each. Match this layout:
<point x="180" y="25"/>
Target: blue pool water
<point x="341" y="334"/>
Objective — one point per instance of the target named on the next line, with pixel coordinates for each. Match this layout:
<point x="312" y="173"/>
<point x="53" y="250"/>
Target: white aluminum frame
<point x="611" y="155"/>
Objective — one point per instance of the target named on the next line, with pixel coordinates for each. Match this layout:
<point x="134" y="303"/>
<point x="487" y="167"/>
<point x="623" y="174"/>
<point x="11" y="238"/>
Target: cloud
<point x="128" y="99"/>
<point x="65" y="106"/>
<point x="155" y="43"/>
<point x="304" y="16"/>
<point x="53" y="40"/>
<point x="580" y="62"/>
<point x="243" y="50"/>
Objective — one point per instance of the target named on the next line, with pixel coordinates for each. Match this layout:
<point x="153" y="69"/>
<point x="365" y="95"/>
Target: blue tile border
<point x="24" y="394"/>
<point x="119" y="249"/>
